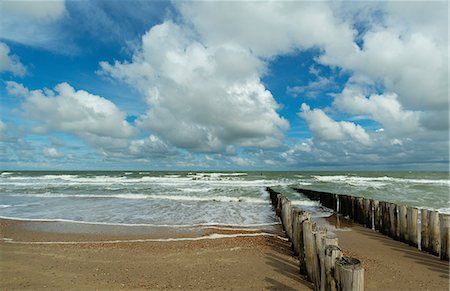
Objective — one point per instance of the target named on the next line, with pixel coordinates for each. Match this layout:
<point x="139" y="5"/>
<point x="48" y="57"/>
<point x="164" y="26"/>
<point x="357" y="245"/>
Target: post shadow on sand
<point x="283" y="266"/>
<point x="431" y="262"/>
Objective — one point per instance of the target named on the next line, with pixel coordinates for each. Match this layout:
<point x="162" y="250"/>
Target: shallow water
<point x="191" y="198"/>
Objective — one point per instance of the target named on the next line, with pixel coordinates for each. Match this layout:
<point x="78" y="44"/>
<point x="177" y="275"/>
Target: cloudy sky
<point x="289" y="85"/>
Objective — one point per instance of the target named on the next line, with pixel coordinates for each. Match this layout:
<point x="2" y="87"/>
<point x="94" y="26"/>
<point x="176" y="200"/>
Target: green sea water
<point x="189" y="198"/>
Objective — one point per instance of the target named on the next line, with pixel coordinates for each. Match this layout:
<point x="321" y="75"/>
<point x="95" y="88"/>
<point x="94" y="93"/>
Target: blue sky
<point x="224" y="85"/>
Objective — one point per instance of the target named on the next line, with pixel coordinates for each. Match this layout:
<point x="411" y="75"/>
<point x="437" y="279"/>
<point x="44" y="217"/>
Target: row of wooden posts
<point x="423" y="228"/>
<point x="320" y="258"/>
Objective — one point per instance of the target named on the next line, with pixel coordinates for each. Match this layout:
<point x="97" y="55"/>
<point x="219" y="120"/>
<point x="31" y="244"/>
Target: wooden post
<point x="350" y="274"/>
<point x="278" y="208"/>
<point x="424" y="232"/>
<point x="310" y="251"/>
<point x="296" y="212"/>
<point x="320" y="253"/>
<point x="360" y="214"/>
<point x="434" y="232"/>
<point x="368" y="212"/>
<point x="352" y="213"/>
<point x="286" y="216"/>
<point x="393" y="227"/>
<point x="376" y="214"/>
<point x="332" y="254"/>
<point x="444" y="225"/>
<point x="402" y="223"/>
<point x="411" y="216"/>
<point x="336" y="203"/>
<point x="342" y="205"/>
<point x="304" y="216"/>
<point x="384" y="218"/>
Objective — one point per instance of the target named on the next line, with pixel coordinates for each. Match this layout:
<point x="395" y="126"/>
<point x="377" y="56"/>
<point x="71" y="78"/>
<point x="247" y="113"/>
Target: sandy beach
<point x="240" y="263"/>
<point x="91" y="261"/>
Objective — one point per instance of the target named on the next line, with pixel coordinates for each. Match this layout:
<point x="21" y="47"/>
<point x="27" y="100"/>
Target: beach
<point x="110" y="260"/>
<point x="240" y="263"/>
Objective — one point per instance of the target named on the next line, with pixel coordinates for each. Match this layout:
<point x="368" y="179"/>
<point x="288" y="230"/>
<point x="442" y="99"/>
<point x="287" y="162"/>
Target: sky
<point x="224" y="85"/>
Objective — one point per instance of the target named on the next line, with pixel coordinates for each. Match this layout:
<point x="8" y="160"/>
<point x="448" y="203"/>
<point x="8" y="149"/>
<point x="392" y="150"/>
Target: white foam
<point x="377" y="181"/>
<point x="149" y="197"/>
<point x="209" y="224"/>
<point x="208" y="237"/>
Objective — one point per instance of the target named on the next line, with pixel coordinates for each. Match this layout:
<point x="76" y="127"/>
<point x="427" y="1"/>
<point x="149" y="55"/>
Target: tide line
<point x="211" y="236"/>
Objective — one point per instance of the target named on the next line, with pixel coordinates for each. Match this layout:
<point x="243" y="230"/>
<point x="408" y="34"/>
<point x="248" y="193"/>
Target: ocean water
<point x="199" y="198"/>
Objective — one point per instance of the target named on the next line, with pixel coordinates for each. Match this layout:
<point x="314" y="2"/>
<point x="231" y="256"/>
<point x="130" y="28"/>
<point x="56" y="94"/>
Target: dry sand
<point x="390" y="264"/>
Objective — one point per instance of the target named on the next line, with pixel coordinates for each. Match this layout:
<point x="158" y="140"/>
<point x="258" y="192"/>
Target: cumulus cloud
<point x="404" y="48"/>
<point x="324" y="128"/>
<point x="52" y="153"/>
<point x="10" y="62"/>
<point x="383" y="108"/>
<point x="152" y="146"/>
<point x="269" y="28"/>
<point x="89" y="116"/>
<point x="33" y="23"/>
<point x="201" y="98"/>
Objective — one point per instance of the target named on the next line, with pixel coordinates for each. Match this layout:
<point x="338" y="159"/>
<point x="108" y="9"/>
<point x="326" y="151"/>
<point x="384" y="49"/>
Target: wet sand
<point x="242" y="263"/>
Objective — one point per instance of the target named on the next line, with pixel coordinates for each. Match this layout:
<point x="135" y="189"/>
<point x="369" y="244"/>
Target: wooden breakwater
<point x="425" y="229"/>
<point x="320" y="259"/>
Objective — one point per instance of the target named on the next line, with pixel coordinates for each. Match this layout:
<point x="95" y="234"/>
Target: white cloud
<point x="200" y="98"/>
<point x="324" y="128"/>
<point x="152" y="146"/>
<point x="34" y="23"/>
<point x="405" y="49"/>
<point x="89" y="116"/>
<point x="240" y="161"/>
<point x="383" y="108"/>
<point x="43" y="11"/>
<point x="269" y="28"/>
<point x="9" y="62"/>
<point x="52" y="153"/>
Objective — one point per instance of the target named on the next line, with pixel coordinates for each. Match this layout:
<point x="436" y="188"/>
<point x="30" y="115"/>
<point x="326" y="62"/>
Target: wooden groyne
<point x="320" y="259"/>
<point x="425" y="229"/>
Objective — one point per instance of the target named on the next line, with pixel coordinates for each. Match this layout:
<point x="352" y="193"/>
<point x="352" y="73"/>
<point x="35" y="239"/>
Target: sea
<point x="199" y="198"/>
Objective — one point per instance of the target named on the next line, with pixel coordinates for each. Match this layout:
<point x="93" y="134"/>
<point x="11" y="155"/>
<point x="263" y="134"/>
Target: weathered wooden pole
<point x="278" y="208"/>
<point x="352" y="213"/>
<point x="309" y="243"/>
<point x="360" y="214"/>
<point x="393" y="229"/>
<point x="350" y="274"/>
<point x="444" y="225"/>
<point x="320" y="252"/>
<point x="376" y="214"/>
<point x="343" y="205"/>
<point x="411" y="216"/>
<point x="403" y="224"/>
<point x="368" y="212"/>
<point x="328" y="240"/>
<point x="434" y="232"/>
<point x="424" y="231"/>
<point x="332" y="254"/>
<point x="336" y="203"/>
<point x="296" y="212"/>
<point x="304" y="216"/>
<point x="384" y="218"/>
<point x="286" y="216"/>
